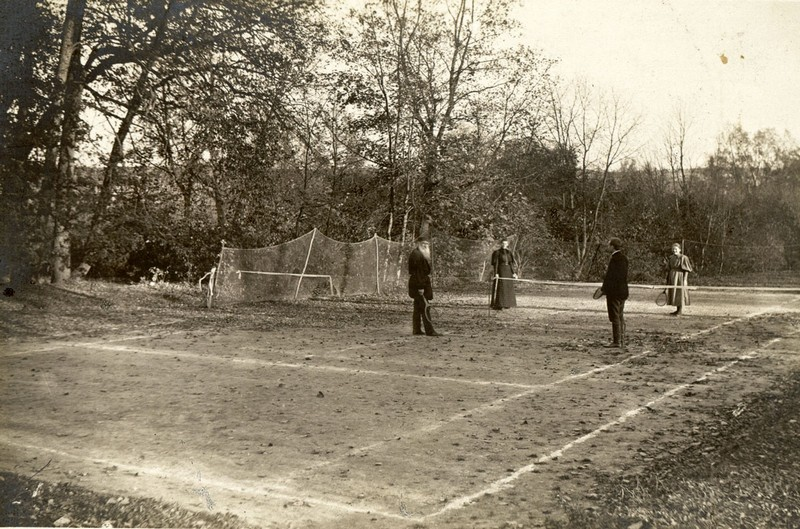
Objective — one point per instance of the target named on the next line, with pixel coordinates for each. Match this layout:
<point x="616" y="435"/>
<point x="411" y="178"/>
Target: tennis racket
<point x="598" y="293"/>
<point x="661" y="299"/>
<point x="428" y="313"/>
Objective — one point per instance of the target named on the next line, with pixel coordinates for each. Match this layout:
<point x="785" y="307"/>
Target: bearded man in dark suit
<point x="419" y="285"/>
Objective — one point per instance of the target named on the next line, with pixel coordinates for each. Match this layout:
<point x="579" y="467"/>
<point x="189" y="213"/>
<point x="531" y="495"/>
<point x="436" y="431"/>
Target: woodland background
<point x="137" y="135"/>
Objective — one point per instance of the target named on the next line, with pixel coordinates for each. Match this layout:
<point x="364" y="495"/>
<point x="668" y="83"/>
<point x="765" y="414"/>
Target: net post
<point x="377" y="265"/>
<point x="212" y="281"/>
<point x="305" y="265"/>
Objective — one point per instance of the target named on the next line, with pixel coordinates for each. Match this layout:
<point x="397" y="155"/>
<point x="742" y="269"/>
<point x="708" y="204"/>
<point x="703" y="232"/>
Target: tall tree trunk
<point x="70" y="75"/>
<point x="391" y="215"/>
<point x="220" y="205"/>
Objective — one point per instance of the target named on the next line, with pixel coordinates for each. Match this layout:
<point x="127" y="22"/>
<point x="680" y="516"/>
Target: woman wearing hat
<point x="678" y="267"/>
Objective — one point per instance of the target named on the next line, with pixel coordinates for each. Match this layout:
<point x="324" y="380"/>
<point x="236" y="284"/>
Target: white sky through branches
<point x="723" y="62"/>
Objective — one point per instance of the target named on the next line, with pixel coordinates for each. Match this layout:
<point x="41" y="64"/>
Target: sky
<point x="723" y="62"/>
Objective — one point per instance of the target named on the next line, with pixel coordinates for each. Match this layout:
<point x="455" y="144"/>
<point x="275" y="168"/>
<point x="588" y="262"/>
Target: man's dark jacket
<point x="419" y="274"/>
<point x="615" y="284"/>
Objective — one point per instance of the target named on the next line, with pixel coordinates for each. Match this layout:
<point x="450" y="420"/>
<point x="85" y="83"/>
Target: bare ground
<point x="721" y="460"/>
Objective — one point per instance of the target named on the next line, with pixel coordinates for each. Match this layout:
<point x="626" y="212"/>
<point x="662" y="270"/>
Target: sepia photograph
<point x="400" y="264"/>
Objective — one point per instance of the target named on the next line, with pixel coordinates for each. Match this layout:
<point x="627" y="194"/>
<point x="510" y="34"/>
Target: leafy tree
<point x="200" y="74"/>
<point x="435" y="97"/>
<point x="28" y="54"/>
<point x="140" y="63"/>
<point x="242" y="120"/>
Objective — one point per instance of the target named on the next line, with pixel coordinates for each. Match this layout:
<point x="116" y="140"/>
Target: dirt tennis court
<point x="330" y="414"/>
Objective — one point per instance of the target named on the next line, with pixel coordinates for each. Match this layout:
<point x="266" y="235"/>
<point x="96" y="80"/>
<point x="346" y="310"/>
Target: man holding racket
<point x="419" y="286"/>
<point x="615" y="288"/>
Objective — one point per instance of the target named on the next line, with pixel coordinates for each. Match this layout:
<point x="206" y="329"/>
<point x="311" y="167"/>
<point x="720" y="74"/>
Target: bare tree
<point x="598" y="129"/>
<point x="681" y="168"/>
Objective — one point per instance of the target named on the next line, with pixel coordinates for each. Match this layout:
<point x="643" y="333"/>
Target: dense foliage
<point x="144" y="133"/>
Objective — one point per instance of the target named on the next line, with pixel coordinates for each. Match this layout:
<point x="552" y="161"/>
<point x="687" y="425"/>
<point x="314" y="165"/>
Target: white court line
<point x="277" y="491"/>
<point x="529" y="388"/>
<point x="497" y="485"/>
<point x="726" y="323"/>
<point x="254" y="361"/>
<point x="486" y="407"/>
<point x="190" y="479"/>
<point x="331" y="354"/>
<point x="61" y="345"/>
<point x="505" y="482"/>
<point x="108" y="330"/>
<point x="290" y="365"/>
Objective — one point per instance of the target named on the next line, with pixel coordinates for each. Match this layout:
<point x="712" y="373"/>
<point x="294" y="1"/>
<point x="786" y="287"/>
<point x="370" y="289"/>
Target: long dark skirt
<point x="503" y="296"/>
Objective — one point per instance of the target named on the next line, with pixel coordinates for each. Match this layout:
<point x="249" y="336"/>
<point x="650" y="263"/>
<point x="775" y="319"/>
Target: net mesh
<point x="459" y="260"/>
<point x="315" y="265"/>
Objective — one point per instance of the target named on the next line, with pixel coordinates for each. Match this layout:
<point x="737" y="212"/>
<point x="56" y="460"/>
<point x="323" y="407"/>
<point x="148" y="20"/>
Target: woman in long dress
<point x="678" y="267"/>
<point x="505" y="266"/>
